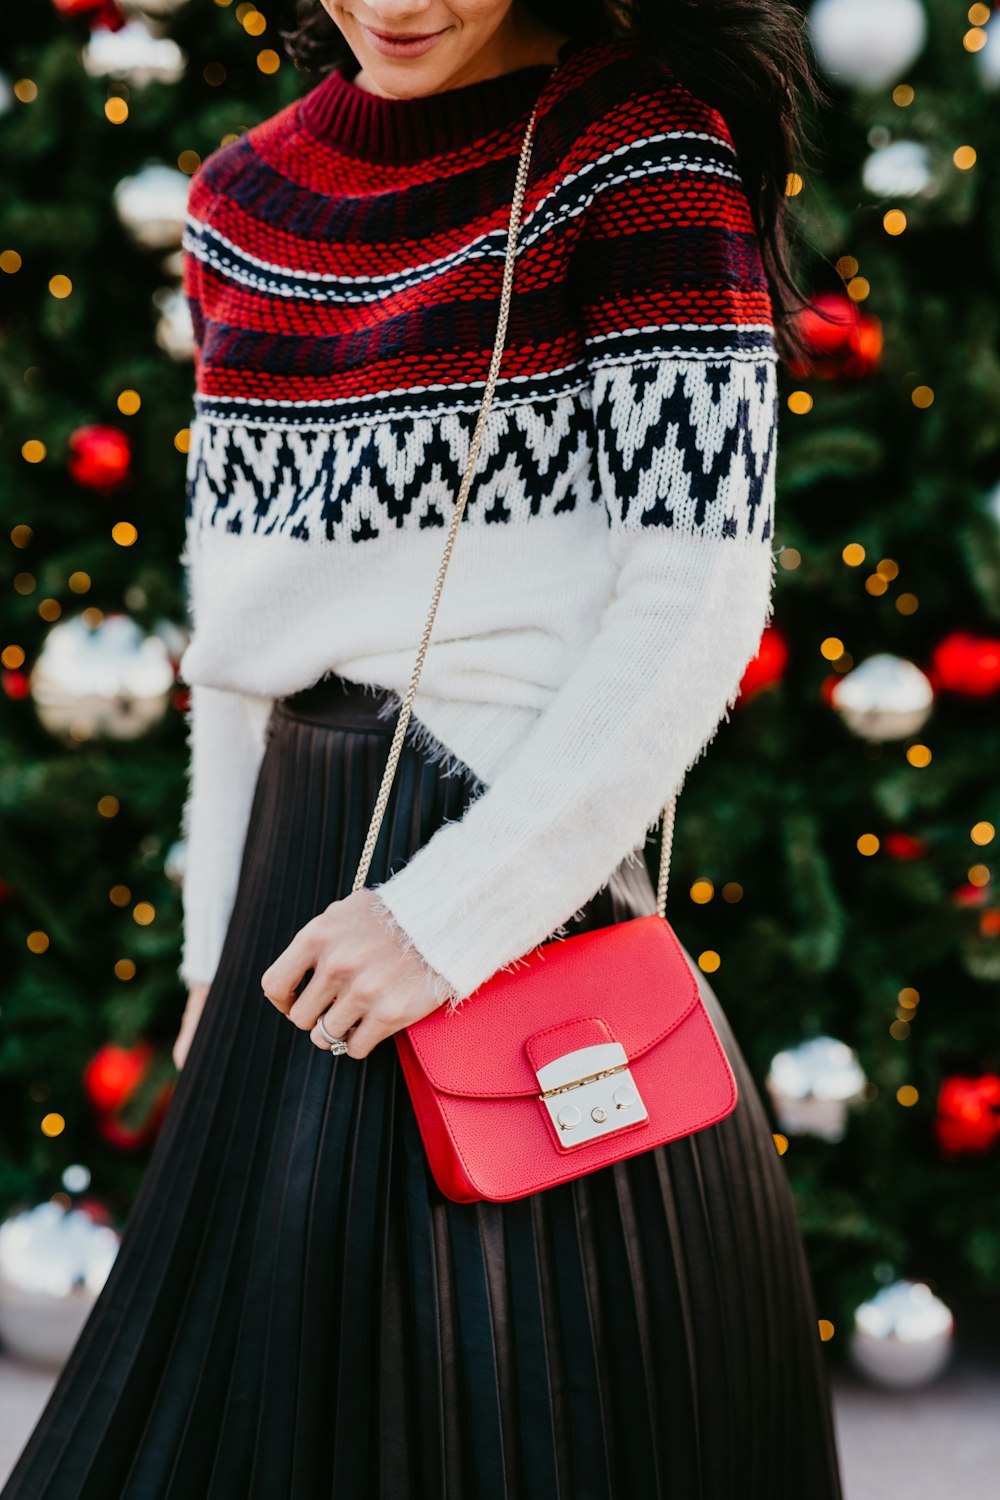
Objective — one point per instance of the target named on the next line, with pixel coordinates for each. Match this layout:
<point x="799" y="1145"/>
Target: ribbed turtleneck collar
<point x="377" y="128"/>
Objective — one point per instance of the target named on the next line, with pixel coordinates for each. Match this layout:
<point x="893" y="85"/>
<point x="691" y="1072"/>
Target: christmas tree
<point x="831" y="863"/>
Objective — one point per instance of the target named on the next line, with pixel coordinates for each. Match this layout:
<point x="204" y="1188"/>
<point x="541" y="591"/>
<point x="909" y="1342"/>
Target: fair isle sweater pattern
<point x="613" y="570"/>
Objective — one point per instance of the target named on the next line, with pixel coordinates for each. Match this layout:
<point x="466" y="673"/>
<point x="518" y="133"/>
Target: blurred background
<point x="835" y="856"/>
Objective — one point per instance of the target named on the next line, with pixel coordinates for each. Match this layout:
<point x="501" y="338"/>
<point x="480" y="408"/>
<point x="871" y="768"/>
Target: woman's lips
<point x="405" y="46"/>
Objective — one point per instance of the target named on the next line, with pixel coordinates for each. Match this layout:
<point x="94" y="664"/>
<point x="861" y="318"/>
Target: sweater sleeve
<point x="675" y="319"/>
<point x="225" y="736"/>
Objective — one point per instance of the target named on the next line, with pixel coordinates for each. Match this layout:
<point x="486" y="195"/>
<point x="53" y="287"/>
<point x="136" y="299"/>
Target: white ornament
<point x="175" y="863"/>
<point x="152" y="205"/>
<point x="988" y="57"/>
<point x="884" y="698"/>
<point x="867" y="43"/>
<point x="174" y="331"/>
<point x="993" y="502"/>
<point x="134" y="54"/>
<point x="107" y="679"/>
<point x="813" y="1085"/>
<point x="903" y="1336"/>
<point x="902" y="170"/>
<point x="54" y="1262"/>
<point x="151" y="7"/>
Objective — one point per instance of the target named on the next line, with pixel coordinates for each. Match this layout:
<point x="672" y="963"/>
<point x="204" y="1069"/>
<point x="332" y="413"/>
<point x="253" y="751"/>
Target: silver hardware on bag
<point x="590" y="1092"/>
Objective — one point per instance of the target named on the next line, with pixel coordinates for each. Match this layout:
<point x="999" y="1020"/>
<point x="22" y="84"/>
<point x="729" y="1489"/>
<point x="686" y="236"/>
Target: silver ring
<point x="338" y="1045"/>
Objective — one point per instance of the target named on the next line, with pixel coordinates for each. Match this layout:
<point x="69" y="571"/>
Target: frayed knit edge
<point x="442" y="990"/>
<point x="431" y="748"/>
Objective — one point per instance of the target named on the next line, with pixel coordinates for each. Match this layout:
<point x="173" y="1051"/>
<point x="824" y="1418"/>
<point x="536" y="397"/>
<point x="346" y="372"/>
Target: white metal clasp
<point x="590" y="1093"/>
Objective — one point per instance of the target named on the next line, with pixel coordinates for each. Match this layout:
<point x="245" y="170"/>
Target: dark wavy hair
<point x="747" y="58"/>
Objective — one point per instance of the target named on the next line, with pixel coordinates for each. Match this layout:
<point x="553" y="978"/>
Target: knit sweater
<point x="613" y="571"/>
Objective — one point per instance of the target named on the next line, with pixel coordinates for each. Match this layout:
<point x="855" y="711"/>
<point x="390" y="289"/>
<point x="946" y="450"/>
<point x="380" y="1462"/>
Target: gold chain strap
<point x="407" y="705"/>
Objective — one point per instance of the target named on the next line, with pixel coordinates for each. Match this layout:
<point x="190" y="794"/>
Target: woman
<point x="296" y="1310"/>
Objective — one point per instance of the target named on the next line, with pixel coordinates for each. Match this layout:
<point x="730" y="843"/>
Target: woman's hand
<point x="366" y="975"/>
<point x="197" y="995"/>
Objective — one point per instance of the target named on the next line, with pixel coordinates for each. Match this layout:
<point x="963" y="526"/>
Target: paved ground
<point x="933" y="1444"/>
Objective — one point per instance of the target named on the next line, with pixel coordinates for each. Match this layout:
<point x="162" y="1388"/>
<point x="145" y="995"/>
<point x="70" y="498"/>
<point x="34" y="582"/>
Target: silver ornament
<point x="899" y="170"/>
<point x="813" y="1085"/>
<point x="885" y="697"/>
<point x="152" y="205"/>
<point x="133" y="53"/>
<point x="867" y="43"/>
<point x="903" y="1336"/>
<point x="6" y="94"/>
<point x="106" y="680"/>
<point x="54" y="1262"/>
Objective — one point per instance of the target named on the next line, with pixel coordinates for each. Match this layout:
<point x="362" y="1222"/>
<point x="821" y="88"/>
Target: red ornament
<point x="966" y="664"/>
<point x="989" y="922"/>
<point x="16" y="685"/>
<point x="99" y="12"/>
<point x="968" y="1114"/>
<point x="767" y="667"/>
<point x="840" y="340"/>
<point x="969" y="895"/>
<point x="904" y="846"/>
<point x="130" y="1138"/>
<point x="113" y="1074"/>
<point x="100" y="458"/>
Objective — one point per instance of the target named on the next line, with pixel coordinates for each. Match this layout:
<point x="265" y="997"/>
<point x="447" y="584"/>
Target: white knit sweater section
<point x="579" y="664"/>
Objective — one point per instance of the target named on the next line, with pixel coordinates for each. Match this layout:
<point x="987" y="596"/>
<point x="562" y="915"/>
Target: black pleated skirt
<point x="297" y="1312"/>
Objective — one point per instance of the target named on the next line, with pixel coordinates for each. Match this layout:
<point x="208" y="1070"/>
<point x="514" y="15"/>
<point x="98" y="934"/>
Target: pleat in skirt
<point x="296" y="1312"/>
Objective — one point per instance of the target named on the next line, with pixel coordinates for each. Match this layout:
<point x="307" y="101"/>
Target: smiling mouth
<point x="417" y="36"/>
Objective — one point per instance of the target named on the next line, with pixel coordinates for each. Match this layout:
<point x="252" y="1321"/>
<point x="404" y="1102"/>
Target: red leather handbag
<point x="594" y="1049"/>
